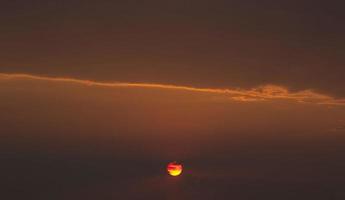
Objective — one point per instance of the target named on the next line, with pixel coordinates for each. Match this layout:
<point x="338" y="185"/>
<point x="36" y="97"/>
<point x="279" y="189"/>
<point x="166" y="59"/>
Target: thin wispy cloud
<point x="261" y="93"/>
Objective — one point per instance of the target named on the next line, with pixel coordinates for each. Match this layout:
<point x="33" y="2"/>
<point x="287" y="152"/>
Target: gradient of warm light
<point x="174" y="168"/>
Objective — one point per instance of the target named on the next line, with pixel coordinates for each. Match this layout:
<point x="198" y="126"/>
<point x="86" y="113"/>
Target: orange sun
<point x="174" y="168"/>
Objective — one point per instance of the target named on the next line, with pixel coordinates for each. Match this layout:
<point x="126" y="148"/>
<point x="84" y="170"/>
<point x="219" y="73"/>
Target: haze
<point x="96" y="98"/>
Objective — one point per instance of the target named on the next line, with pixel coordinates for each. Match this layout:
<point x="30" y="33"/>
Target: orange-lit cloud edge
<point x="261" y="93"/>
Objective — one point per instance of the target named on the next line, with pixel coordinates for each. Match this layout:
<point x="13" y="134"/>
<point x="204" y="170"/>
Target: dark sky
<point x="298" y="44"/>
<point x="249" y="96"/>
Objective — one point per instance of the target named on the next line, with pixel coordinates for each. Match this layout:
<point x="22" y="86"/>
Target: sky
<point x="97" y="97"/>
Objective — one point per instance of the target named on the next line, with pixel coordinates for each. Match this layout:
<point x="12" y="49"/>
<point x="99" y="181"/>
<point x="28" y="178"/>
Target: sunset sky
<point x="97" y="97"/>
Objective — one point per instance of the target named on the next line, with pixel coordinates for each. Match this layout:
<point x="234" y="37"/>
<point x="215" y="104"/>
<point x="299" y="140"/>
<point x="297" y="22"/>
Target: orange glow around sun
<point x="174" y="168"/>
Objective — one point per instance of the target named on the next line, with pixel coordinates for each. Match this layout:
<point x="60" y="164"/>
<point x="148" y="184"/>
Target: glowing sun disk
<point x="174" y="168"/>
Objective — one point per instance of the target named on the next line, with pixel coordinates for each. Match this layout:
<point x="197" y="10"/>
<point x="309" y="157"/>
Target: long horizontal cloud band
<point x="262" y="93"/>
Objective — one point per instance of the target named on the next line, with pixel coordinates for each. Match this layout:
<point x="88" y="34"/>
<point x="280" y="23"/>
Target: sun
<point x="174" y="169"/>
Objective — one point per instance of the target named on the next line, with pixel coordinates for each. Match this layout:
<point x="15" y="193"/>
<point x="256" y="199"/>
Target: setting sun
<point x="174" y="168"/>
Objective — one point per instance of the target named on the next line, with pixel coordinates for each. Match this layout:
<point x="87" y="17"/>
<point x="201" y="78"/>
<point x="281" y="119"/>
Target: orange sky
<point x="74" y="109"/>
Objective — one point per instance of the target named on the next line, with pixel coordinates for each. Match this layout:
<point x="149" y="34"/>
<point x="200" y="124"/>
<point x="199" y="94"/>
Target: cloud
<point x="261" y="93"/>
